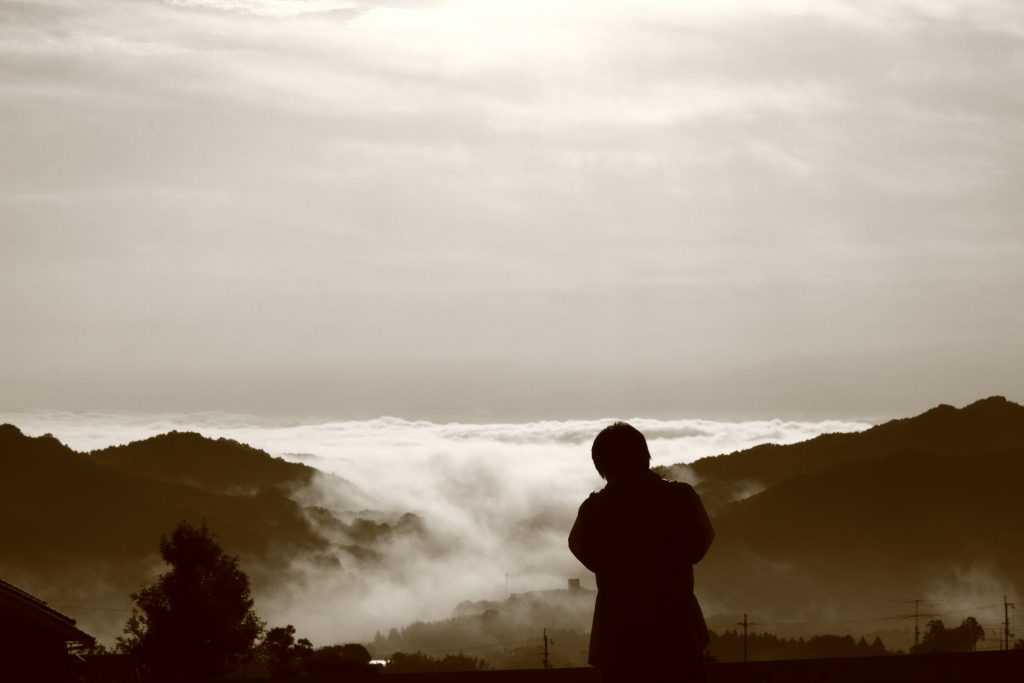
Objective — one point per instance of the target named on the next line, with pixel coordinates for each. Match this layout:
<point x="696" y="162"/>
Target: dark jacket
<point x="641" y="536"/>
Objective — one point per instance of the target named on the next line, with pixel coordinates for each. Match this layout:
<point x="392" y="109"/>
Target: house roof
<point x="21" y="606"/>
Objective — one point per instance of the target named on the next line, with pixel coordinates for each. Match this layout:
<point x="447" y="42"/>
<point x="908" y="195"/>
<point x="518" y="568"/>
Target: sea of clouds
<point x="496" y="500"/>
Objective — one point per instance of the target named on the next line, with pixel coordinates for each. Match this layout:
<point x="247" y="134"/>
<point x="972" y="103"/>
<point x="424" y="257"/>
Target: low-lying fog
<point x="495" y="499"/>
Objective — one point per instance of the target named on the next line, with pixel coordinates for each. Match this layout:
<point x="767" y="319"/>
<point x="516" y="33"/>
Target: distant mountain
<point x="56" y="501"/>
<point x="217" y="466"/>
<point x="844" y="539"/>
<point x="835" y="526"/>
<point x="986" y="426"/>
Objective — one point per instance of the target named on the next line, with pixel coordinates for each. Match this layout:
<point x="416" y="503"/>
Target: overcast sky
<point x="509" y="208"/>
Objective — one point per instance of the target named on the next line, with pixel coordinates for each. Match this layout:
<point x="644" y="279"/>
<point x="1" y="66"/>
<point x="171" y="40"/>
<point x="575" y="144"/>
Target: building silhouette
<point x="36" y="641"/>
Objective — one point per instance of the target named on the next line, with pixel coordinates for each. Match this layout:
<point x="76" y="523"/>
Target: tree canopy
<point x="290" y="658"/>
<point x="197" y="620"/>
<point x="283" y="655"/>
<point x="962" y="638"/>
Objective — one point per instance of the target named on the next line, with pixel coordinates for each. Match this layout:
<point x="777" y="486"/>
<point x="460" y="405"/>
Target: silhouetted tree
<point x="728" y="647"/>
<point x="283" y="654"/>
<point x="197" y="620"/>
<point x="402" y="662"/>
<point x="963" y="638"/>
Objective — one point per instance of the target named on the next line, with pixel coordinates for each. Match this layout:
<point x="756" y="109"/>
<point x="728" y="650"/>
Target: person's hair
<point x="619" y="449"/>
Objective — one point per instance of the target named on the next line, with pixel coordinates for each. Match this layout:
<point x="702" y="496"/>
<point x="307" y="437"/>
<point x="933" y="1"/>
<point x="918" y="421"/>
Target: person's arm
<point x="706" y="533"/>
<point x="582" y="541"/>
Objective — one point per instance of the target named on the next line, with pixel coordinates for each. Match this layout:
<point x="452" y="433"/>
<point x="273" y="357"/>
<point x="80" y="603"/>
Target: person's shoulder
<point x="677" y="491"/>
<point x="676" y="486"/>
<point x="594" y="500"/>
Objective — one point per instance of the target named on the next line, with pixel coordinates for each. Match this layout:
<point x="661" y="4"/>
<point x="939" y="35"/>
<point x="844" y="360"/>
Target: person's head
<point x="620" y="449"/>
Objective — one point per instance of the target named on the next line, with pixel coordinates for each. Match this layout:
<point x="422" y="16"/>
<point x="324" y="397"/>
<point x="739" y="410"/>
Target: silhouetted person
<point x="641" y="536"/>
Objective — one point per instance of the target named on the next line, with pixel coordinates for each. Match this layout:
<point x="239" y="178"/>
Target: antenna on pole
<point x="547" y="665"/>
<point x="917" y="614"/>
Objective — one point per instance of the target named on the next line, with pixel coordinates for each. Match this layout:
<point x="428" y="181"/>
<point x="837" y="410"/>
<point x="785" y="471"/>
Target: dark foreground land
<point x="956" y="667"/>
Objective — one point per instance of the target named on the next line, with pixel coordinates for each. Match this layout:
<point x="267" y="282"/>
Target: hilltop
<point x="56" y="502"/>
<point x="219" y="466"/>
<point x="215" y="465"/>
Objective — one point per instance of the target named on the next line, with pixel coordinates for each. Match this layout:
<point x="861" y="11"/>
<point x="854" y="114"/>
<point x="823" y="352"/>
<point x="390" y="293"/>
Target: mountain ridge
<point x="44" y="481"/>
<point x="986" y="425"/>
<point x="218" y="466"/>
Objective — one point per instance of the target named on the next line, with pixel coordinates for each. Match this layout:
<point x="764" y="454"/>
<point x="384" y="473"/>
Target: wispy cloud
<point x="545" y="184"/>
<point x="270" y="8"/>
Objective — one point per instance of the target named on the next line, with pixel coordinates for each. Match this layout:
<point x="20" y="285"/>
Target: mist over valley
<point x="348" y="529"/>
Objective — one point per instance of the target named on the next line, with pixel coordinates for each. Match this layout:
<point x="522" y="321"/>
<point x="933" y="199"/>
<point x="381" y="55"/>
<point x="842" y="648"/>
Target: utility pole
<point x="744" y="624"/>
<point x="1006" y="623"/>
<point x="917" y="614"/>
<point x="547" y="665"/>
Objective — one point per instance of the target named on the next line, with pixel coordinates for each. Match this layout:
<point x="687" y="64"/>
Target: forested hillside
<point x="843" y="540"/>
<point x="986" y="426"/>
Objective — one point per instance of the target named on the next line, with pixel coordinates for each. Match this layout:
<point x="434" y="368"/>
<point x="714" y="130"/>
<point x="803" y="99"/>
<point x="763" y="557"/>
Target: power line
<point x="858" y="621"/>
<point x="467" y="647"/>
<point x="812" y="623"/>
<point x="971" y="609"/>
<point x="746" y="625"/>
